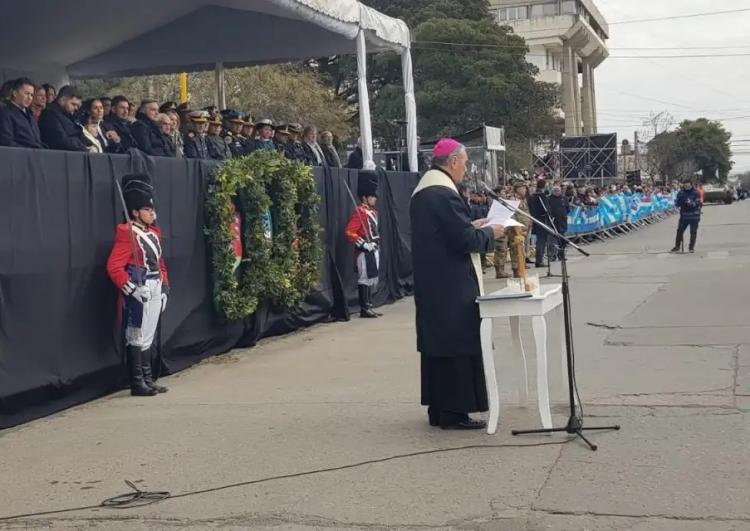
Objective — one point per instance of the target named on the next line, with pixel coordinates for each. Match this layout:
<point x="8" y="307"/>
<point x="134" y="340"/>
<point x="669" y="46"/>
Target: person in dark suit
<point x="147" y="131"/>
<point x="57" y="124"/>
<point x="558" y="209"/>
<point x="117" y="121"/>
<point x="690" y="204"/>
<point x="356" y="160"/>
<point x="422" y="164"/>
<point x="539" y="209"/>
<point x="329" y="150"/>
<point x="18" y="127"/>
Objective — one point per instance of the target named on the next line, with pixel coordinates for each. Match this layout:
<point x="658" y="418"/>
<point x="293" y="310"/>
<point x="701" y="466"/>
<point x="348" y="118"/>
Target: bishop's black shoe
<point x="433" y="416"/>
<point x="460" y="421"/>
<point x="469" y="424"/>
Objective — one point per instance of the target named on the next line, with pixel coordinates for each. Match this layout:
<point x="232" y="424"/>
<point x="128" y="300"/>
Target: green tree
<point x="708" y="143"/>
<point x="415" y="12"/>
<point x="668" y="157"/>
<point x="462" y="87"/>
<point x="457" y="87"/>
<point x="284" y="92"/>
<point x="696" y="145"/>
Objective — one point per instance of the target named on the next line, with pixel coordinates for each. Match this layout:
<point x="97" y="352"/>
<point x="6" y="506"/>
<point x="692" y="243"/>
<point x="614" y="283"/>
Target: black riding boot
<point x="137" y="386"/>
<point x="147" y="376"/>
<point x="364" y="306"/>
<point x="370" y="305"/>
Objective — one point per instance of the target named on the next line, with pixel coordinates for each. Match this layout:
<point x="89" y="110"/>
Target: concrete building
<point x="567" y="41"/>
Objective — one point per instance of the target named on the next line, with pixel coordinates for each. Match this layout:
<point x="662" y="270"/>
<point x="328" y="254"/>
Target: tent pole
<point x="410" y="104"/>
<point x="221" y="99"/>
<point x="365" y="124"/>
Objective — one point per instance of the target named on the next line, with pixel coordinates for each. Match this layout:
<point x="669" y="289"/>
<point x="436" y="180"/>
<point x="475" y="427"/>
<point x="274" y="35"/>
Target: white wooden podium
<point x="536" y="307"/>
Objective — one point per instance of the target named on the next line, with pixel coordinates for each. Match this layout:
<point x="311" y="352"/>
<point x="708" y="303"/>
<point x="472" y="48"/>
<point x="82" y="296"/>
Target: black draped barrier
<point x="59" y="339"/>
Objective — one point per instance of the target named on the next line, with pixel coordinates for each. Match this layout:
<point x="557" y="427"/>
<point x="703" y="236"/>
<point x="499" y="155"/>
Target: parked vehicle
<point x="717" y="193"/>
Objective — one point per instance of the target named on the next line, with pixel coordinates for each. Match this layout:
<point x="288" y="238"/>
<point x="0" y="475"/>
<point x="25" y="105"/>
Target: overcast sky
<point x="716" y="87"/>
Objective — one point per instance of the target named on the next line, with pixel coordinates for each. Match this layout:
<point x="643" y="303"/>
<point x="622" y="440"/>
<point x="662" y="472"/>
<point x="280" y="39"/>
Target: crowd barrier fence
<point x="619" y="211"/>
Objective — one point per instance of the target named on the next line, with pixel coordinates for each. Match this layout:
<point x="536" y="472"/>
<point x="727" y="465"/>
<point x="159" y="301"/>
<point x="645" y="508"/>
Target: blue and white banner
<point x="617" y="209"/>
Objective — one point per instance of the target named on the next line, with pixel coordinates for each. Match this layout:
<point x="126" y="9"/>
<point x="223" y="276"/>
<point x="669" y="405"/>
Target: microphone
<point x="489" y="191"/>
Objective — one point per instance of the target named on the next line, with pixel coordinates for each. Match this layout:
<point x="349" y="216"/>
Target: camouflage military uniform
<point x="513" y="232"/>
<point x="501" y="256"/>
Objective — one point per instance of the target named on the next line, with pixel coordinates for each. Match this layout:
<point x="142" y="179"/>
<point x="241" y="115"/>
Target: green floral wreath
<point x="310" y="248"/>
<point x="235" y="187"/>
<point x="282" y="269"/>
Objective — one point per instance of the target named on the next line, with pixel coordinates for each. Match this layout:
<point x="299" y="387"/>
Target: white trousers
<point x="143" y="337"/>
<point x="362" y="270"/>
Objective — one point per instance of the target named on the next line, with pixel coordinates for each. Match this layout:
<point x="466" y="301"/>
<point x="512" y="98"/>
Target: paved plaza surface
<point x="663" y="348"/>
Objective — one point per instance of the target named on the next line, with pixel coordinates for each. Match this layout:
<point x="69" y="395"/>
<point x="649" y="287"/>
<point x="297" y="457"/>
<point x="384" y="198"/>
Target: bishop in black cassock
<point x="447" y="281"/>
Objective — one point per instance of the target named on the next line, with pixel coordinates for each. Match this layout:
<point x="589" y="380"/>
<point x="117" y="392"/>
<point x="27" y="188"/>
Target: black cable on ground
<point x="139" y="498"/>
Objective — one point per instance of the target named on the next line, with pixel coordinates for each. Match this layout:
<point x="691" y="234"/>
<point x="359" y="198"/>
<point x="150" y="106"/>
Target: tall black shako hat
<point x="367" y="186"/>
<point x="137" y="191"/>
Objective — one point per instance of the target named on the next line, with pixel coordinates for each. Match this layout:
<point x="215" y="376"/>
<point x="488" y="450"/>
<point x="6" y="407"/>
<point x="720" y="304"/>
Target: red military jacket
<point x="143" y="250"/>
<point x="363" y="226"/>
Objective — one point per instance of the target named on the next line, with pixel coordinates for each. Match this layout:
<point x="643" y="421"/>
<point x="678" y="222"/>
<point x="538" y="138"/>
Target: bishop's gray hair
<point x="443" y="161"/>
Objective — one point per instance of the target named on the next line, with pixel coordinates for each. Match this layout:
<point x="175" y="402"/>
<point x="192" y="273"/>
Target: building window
<point x="569" y="7"/>
<point x="513" y="13"/>
<point x="549" y="9"/>
<point x="553" y="61"/>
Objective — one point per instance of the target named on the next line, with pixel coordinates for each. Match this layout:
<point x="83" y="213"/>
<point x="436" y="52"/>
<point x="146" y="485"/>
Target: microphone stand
<point x="575" y="424"/>
<point x="547" y="247"/>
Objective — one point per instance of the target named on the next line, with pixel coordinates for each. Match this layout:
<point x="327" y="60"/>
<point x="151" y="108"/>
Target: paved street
<point x="663" y="348"/>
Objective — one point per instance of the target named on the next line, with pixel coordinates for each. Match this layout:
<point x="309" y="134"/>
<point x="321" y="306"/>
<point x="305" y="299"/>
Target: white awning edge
<point x="388" y="31"/>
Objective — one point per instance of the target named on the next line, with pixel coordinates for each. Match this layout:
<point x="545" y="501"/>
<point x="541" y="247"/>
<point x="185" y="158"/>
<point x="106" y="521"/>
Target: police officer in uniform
<point x="264" y="129"/>
<point x="281" y="138"/>
<point x="296" y="149"/>
<point x="196" y="146"/>
<point x="218" y="148"/>
<point x="363" y="232"/>
<point x="233" y="138"/>
<point x="136" y="267"/>
<point x="248" y="133"/>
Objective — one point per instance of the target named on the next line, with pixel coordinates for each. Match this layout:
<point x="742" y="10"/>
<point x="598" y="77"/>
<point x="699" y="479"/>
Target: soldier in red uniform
<point x="137" y="269"/>
<point x="363" y="232"/>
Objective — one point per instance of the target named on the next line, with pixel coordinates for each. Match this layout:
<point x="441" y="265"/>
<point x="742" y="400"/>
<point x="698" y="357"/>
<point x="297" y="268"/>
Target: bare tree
<point x="655" y="124"/>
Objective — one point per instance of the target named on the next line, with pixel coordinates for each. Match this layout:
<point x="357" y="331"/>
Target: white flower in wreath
<point x="267" y="226"/>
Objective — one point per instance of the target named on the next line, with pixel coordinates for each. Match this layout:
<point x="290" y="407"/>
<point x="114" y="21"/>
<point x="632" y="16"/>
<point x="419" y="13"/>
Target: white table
<point x="536" y="307"/>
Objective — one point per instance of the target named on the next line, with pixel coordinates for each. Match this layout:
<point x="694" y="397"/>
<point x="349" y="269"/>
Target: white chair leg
<point x="490" y="376"/>
<point x="519" y="354"/>
<point x="539" y="325"/>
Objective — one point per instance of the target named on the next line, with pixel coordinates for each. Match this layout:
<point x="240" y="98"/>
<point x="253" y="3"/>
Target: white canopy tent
<point x="110" y="38"/>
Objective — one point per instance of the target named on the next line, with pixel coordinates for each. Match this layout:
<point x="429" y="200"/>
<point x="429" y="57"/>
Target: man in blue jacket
<point x="689" y="202"/>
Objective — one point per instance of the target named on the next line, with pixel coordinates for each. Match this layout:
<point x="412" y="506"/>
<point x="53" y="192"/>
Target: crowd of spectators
<point x="576" y="194"/>
<point x="40" y="117"/>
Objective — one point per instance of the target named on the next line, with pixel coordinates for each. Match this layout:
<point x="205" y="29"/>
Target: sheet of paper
<point x="507" y="223"/>
<point x="501" y="215"/>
